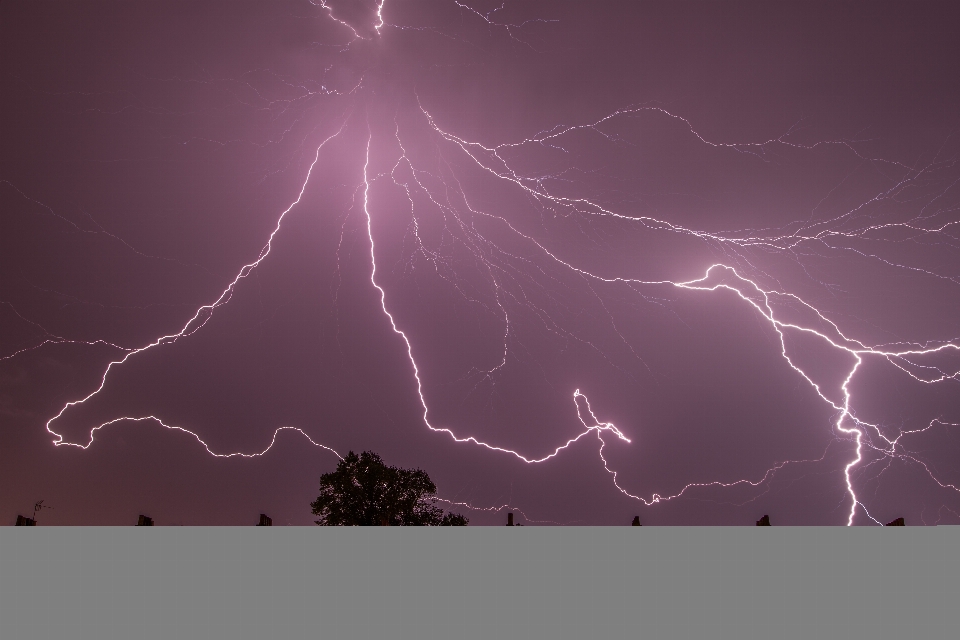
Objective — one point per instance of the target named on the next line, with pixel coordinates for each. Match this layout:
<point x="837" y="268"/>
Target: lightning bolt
<point x="202" y="315"/>
<point x="746" y="289"/>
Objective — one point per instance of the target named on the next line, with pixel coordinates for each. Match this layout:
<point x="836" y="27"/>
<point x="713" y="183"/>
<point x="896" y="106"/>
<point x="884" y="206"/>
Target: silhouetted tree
<point x="453" y="520"/>
<point x="365" y="491"/>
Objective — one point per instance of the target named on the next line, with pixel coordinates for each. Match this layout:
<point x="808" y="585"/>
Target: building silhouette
<point x="764" y="521"/>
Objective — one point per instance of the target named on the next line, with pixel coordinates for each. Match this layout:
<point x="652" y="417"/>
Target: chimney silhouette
<point x="509" y="519"/>
<point x="897" y="523"/>
<point x="23" y="521"/>
<point x="265" y="521"/>
<point x="636" y="522"/>
<point x="144" y="521"/>
<point x="764" y="521"/>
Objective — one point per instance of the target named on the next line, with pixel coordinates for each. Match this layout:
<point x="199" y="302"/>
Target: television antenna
<point x="38" y="505"/>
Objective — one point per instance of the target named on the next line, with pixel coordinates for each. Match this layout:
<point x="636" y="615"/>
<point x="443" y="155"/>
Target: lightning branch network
<point x="738" y="273"/>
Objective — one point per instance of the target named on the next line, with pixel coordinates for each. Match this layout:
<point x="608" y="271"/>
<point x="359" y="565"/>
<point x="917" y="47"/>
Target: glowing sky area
<point x="696" y="262"/>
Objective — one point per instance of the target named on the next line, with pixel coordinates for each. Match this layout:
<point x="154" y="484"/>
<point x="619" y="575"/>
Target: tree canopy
<point x="365" y="491"/>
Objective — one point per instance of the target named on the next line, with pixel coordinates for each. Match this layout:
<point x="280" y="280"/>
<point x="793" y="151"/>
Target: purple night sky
<point x="704" y="253"/>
